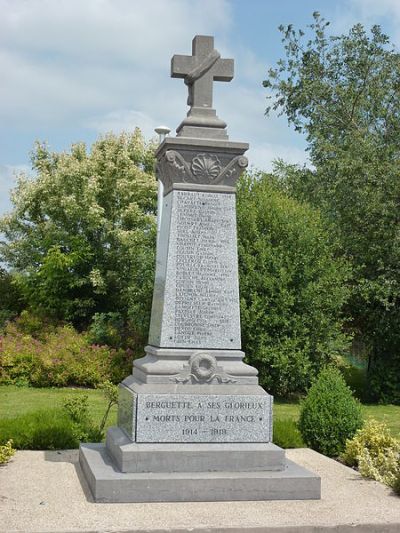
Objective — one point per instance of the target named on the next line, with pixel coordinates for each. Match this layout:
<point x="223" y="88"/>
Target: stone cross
<point x="200" y="70"/>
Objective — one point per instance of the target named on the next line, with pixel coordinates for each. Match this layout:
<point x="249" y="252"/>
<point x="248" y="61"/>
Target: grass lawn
<point x="18" y="400"/>
<point x="390" y="414"/>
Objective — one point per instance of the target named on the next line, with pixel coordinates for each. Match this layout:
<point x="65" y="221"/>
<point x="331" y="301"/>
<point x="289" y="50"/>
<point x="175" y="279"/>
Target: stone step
<point x="108" y="485"/>
<point x="192" y="457"/>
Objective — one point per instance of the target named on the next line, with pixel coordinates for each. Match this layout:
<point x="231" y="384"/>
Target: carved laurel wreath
<point x="203" y="366"/>
<point x="203" y="369"/>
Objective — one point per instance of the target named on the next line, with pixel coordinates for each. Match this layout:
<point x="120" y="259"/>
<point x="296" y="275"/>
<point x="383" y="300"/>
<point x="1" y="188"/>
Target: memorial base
<point x="178" y="442"/>
<point x="110" y="485"/>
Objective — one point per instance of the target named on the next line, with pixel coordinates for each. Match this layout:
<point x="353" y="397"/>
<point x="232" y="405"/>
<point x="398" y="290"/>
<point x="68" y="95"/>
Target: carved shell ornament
<point x="206" y="167"/>
<point x="203" y="168"/>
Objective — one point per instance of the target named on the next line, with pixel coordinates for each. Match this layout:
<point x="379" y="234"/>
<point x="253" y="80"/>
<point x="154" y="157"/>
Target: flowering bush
<point x="6" y="452"/>
<point x="375" y="452"/>
<point x="61" y="357"/>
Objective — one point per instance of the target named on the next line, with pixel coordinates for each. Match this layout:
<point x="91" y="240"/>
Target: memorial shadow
<point x="72" y="457"/>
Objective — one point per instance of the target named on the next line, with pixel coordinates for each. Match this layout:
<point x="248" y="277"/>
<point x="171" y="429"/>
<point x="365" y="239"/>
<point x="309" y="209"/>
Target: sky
<point x="72" y="70"/>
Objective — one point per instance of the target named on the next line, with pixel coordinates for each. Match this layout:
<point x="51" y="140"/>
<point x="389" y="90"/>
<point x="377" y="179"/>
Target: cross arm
<point x="181" y="65"/>
<point x="225" y="70"/>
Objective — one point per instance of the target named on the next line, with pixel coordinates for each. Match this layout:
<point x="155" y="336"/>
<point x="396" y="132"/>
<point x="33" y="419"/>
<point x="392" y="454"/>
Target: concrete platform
<point x="45" y="492"/>
<point x="107" y="484"/>
<point x="131" y="456"/>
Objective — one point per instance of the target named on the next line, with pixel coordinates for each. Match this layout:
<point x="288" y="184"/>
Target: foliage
<point x="329" y="415"/>
<point x="77" y="408"/>
<point x="81" y="234"/>
<point x="49" y="429"/>
<point x="292" y="287"/>
<point x="107" y="328"/>
<point x="11" y="301"/>
<point x="61" y="357"/>
<point x="375" y="452"/>
<point x="110" y="392"/>
<point x="6" y="452"/>
<point x="396" y="484"/>
<point x="59" y="428"/>
<point x="15" y="401"/>
<point x="355" y="378"/>
<point x="343" y="93"/>
<point x="286" y="434"/>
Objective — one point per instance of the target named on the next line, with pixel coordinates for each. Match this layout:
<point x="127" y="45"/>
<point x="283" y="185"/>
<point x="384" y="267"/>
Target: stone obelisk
<point x="193" y="422"/>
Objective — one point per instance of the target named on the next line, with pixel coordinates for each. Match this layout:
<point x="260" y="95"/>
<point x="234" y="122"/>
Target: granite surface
<point x="203" y="418"/>
<point x="196" y="296"/>
<point x="127" y="411"/>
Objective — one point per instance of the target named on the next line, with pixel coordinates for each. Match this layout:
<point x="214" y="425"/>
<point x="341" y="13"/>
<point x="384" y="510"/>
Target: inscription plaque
<point x="196" y="302"/>
<point x="203" y="418"/>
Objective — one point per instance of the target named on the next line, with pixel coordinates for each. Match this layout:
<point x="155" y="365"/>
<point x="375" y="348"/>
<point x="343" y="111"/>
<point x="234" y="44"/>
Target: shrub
<point x="111" y="394"/>
<point x="107" y="328"/>
<point x="11" y="302"/>
<point x="39" y="430"/>
<point x="77" y="409"/>
<point x="287" y="434"/>
<point x="50" y="429"/>
<point x="292" y="287"/>
<point x="330" y="414"/>
<point x="96" y="208"/>
<point x="396" y="484"/>
<point x="6" y="452"/>
<point x="62" y="357"/>
<point x="375" y="452"/>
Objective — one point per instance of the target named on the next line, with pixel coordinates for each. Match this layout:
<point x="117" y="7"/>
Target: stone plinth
<point x="193" y="422"/>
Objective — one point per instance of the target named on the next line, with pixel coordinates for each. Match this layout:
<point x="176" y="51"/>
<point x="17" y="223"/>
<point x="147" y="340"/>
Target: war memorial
<point x="193" y="422"/>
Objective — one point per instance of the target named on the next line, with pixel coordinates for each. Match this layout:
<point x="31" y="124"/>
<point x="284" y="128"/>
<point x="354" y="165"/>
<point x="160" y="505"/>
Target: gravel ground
<point x="46" y="492"/>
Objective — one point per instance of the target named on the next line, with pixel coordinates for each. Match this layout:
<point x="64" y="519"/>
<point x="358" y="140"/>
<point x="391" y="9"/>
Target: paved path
<point x="45" y="492"/>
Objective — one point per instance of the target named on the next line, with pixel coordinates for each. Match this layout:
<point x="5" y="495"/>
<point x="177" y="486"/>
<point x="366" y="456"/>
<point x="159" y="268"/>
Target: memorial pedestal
<point x="193" y="422"/>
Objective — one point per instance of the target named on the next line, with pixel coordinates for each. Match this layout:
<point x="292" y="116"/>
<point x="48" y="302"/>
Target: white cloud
<point x="132" y="31"/>
<point x="368" y="13"/>
<point x="262" y="156"/>
<point x="103" y="65"/>
<point x="124" y="120"/>
<point x="67" y="61"/>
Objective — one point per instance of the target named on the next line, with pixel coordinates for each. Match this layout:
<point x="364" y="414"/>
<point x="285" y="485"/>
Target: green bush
<point x="39" y="430"/>
<point x="355" y="378"/>
<point x="6" y="452"/>
<point x="107" y="328"/>
<point x="77" y="409"/>
<point x="384" y="375"/>
<point x="375" y="452"/>
<point x="11" y="301"/>
<point x="396" y="484"/>
<point x="330" y="414"/>
<point x="51" y="429"/>
<point x="96" y="208"/>
<point x="61" y="357"/>
<point x="287" y="434"/>
<point x="292" y="287"/>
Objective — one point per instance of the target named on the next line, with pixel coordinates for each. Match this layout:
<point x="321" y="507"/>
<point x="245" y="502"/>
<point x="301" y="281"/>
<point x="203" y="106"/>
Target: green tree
<point x="82" y="232"/>
<point x="11" y="301"/>
<point x="343" y="93"/>
<point x="292" y="287"/>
